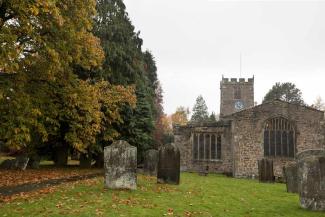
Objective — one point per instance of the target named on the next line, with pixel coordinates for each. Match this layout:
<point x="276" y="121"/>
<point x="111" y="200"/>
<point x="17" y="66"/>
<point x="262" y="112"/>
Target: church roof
<point x="272" y="102"/>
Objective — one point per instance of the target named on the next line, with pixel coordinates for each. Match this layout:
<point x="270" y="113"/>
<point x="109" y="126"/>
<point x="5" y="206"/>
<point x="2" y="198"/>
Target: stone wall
<point x="183" y="140"/>
<point x="247" y="130"/>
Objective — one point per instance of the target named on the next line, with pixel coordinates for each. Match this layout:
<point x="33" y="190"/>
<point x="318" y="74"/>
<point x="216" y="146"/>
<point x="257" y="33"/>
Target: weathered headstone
<point x="150" y="162"/>
<point x="311" y="186"/>
<point x="301" y="156"/>
<point x="265" y="170"/>
<point x="8" y="164"/>
<point x="169" y="164"/>
<point x="120" y="162"/>
<point x="291" y="176"/>
<point x="21" y="162"/>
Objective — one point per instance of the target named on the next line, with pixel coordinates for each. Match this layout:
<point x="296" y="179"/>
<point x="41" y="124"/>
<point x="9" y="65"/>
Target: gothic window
<point x="279" y="138"/>
<point x="237" y="92"/>
<point x="206" y="146"/>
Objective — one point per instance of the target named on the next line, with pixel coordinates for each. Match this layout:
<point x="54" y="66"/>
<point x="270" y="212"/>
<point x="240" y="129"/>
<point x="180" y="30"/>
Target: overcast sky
<point x="195" y="42"/>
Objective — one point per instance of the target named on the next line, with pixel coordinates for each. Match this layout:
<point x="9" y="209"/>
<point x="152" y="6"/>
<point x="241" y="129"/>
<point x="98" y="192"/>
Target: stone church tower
<point x="236" y="95"/>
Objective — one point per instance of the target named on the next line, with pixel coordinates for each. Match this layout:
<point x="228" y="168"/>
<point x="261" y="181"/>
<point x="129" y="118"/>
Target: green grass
<point x="196" y="196"/>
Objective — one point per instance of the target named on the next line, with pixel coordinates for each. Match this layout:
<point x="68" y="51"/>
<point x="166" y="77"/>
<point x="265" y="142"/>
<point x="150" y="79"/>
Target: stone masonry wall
<point x="247" y="130"/>
<point x="227" y="89"/>
<point x="184" y="141"/>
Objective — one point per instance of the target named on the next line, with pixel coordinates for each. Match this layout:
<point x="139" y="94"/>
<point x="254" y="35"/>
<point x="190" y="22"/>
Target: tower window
<point x="237" y="93"/>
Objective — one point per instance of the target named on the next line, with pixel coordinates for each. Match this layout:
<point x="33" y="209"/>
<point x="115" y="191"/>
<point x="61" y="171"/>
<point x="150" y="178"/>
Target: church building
<point x="247" y="133"/>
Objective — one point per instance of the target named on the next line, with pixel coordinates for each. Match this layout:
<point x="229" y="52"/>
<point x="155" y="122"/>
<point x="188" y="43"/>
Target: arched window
<point x="279" y="138"/>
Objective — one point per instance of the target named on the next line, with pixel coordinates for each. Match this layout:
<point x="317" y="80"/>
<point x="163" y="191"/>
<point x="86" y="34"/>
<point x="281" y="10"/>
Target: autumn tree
<point x="66" y="91"/>
<point x="180" y="117"/>
<point x="200" y="110"/>
<point x="52" y="34"/>
<point x="166" y="130"/>
<point x="44" y="104"/>
<point x="287" y="92"/>
<point x="160" y="117"/>
<point x="38" y="49"/>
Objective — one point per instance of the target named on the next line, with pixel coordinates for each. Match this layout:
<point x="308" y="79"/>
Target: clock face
<point x="239" y="105"/>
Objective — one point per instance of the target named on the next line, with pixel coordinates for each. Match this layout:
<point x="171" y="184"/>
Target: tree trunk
<point x="61" y="155"/>
<point x="85" y="160"/>
<point x="99" y="160"/>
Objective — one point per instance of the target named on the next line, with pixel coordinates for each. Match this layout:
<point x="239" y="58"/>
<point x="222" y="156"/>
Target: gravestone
<point x="311" y="186"/>
<point x="120" y="163"/>
<point x="301" y="156"/>
<point x="265" y="170"/>
<point x="168" y="164"/>
<point x="290" y="172"/>
<point x="8" y="164"/>
<point x="150" y="162"/>
<point x="21" y="162"/>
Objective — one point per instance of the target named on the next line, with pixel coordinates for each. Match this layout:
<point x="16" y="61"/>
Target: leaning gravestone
<point x="265" y="170"/>
<point x="21" y="162"/>
<point x="291" y="176"/>
<point x="311" y="172"/>
<point x="120" y="166"/>
<point x="168" y="165"/>
<point x="150" y="162"/>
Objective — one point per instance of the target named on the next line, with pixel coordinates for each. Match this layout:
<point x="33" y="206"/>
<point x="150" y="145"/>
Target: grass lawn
<point x="196" y="196"/>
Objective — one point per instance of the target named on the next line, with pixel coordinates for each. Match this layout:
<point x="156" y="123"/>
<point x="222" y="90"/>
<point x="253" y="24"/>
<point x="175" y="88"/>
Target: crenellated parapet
<point x="237" y="80"/>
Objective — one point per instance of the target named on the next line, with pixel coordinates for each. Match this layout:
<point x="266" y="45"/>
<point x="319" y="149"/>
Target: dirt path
<point x="28" y="187"/>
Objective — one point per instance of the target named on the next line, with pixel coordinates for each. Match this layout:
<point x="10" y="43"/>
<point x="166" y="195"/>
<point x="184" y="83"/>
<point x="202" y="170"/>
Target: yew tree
<point x="287" y="92"/>
<point x="126" y="64"/>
